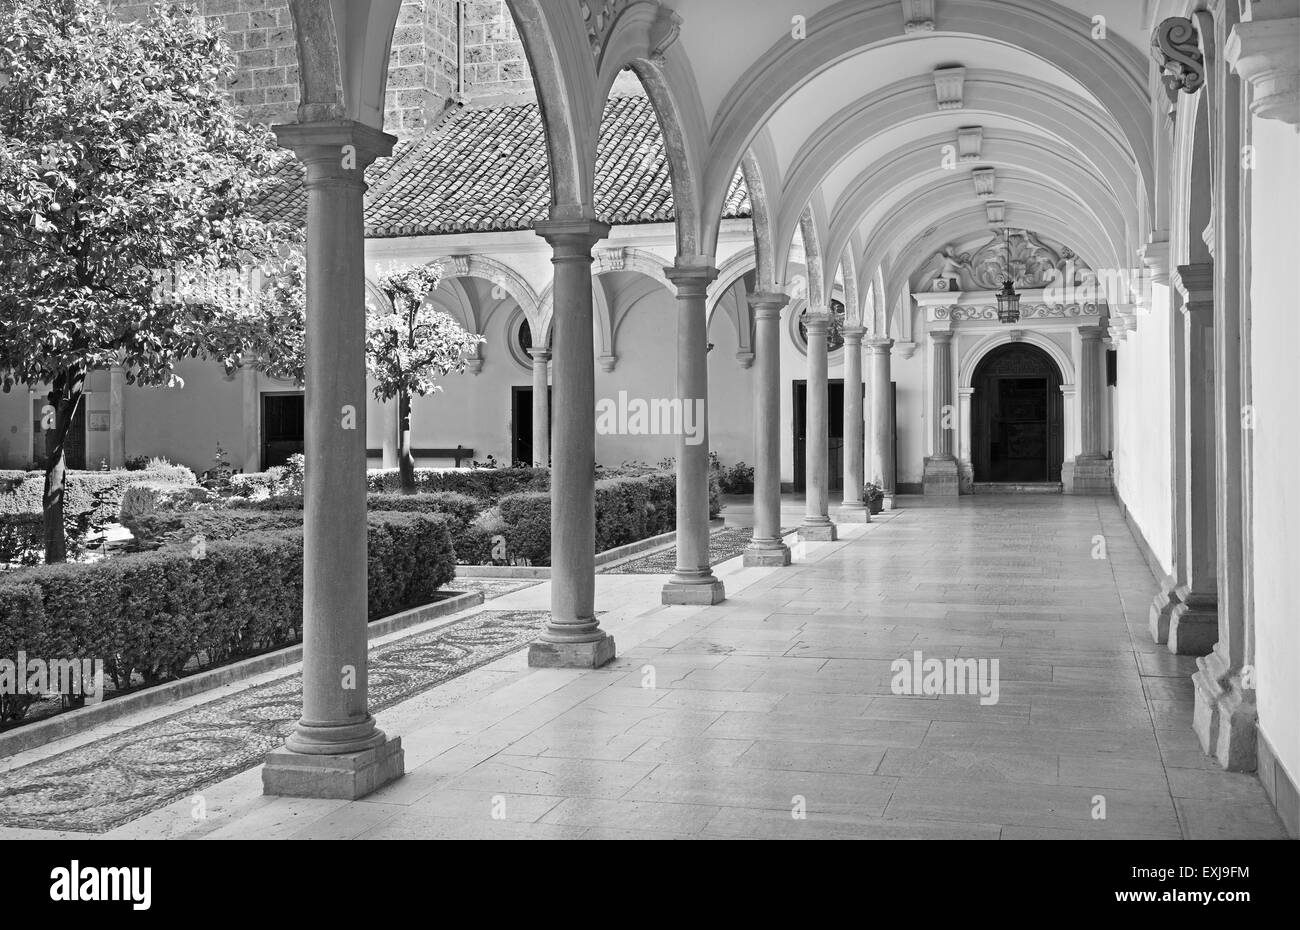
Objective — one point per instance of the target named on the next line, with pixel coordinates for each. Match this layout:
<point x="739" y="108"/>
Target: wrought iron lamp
<point x="1008" y="299"/>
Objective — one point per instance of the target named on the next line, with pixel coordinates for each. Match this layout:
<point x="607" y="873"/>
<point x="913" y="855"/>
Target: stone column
<point x="116" y="416"/>
<point x="881" y="466"/>
<point x="541" y="407"/>
<point x="966" y="468"/>
<point x="854" y="508"/>
<point x="1092" y="469"/>
<point x="817" y="525"/>
<point x="335" y="749"/>
<point x="1194" y="618"/>
<point x="573" y="638"/>
<point x="252" y="415"/>
<point x="693" y="582"/>
<point x="941" y="478"/>
<point x="1225" y="714"/>
<point x="767" y="549"/>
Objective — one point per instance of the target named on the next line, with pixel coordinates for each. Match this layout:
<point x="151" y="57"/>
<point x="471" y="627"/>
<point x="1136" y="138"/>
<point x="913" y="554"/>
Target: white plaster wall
<point x="1275" y="349"/>
<point x="1142" y="427"/>
<point x="185" y="423"/>
<point x="15" y="438"/>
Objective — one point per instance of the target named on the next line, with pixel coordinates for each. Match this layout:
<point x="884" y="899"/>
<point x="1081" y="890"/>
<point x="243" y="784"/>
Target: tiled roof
<point x="487" y="169"/>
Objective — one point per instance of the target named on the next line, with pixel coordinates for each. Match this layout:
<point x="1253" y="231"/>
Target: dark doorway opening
<point x="521" y="416"/>
<point x="282" y="428"/>
<point x="1017" y="416"/>
<point x="74" y="447"/>
<point x="835" y="454"/>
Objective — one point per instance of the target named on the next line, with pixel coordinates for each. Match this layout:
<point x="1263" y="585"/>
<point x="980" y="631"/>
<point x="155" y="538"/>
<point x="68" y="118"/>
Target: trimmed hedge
<point x="459" y="508"/>
<point x="485" y="484"/>
<point x="153" y="613"/>
<point x="91" y="499"/>
<point x="628" y="509"/>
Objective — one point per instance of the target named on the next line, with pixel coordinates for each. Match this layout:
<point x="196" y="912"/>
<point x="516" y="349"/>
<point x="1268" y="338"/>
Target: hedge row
<point x="628" y="510"/>
<point x="243" y="516"/>
<point x="151" y="614"/>
<point x="485" y="484"/>
<point x="91" y="498"/>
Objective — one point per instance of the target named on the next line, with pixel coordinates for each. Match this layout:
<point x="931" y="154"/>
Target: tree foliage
<point x="410" y="343"/>
<point x="122" y="160"/>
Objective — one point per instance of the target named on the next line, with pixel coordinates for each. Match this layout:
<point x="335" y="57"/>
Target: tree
<point x="409" y="344"/>
<point x="121" y="156"/>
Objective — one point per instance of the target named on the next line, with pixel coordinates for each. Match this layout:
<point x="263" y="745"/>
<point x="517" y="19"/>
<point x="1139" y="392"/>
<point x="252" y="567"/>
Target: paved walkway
<point x="772" y="715"/>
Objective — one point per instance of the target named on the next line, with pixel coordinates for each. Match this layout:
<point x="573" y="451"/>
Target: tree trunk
<point x="405" y="458"/>
<point x="64" y="398"/>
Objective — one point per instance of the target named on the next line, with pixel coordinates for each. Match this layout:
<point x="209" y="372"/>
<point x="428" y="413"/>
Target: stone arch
<point x="1115" y="72"/>
<point x="497" y="273"/>
<point x="977" y="353"/>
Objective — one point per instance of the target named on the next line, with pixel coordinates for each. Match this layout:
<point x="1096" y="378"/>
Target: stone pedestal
<point x="1162" y="608"/>
<point x="1193" y="623"/>
<point x="1225" y="715"/>
<point x="941" y="478"/>
<point x="344" y="777"/>
<point x="590" y="654"/>
<point x="1088" y="476"/>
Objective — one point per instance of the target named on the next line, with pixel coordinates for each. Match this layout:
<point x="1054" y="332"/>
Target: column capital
<point x="817" y="321"/>
<point x="768" y="304"/>
<point x="1092" y="333"/>
<point x="335" y="150"/>
<point x="1196" y="284"/>
<point x="853" y="335"/>
<point x="691" y="280"/>
<point x="538" y="355"/>
<point x="572" y="238"/>
<point x="879" y="344"/>
<point x="1155" y="255"/>
<point x="1263" y="52"/>
<point x="941" y="336"/>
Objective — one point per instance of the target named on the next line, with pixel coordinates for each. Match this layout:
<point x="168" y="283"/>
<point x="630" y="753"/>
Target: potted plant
<point x="874" y="495"/>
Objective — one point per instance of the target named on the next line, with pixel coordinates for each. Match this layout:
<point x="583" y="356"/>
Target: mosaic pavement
<point x="111" y="781"/>
<point x="492" y="588"/>
<point x="726" y="543"/>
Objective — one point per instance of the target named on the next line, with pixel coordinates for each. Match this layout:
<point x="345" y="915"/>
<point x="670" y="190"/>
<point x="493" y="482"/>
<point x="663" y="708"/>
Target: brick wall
<point x="421" y="72"/>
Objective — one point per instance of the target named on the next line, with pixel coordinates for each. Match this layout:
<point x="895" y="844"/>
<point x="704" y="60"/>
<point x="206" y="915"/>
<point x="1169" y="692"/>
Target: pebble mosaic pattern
<point x="111" y="781"/>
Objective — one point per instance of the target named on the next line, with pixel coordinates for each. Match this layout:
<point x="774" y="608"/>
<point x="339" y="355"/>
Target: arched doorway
<point x="1017" y="416"/>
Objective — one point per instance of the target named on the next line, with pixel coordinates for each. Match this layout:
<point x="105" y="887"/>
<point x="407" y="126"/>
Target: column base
<point x="545" y="654"/>
<point x="1162" y="606"/>
<point x="762" y="557"/>
<point x="942" y="478"/>
<point x="853" y="513"/>
<point x="344" y="777"/>
<point x="1225" y="716"/>
<point x="1193" y="625"/>
<point x="888" y="503"/>
<point x="1088" y="476"/>
<point x="704" y="594"/>
<point x="818" y="532"/>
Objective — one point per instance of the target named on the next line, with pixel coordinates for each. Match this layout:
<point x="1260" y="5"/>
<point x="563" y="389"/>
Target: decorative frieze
<point x="959" y="313"/>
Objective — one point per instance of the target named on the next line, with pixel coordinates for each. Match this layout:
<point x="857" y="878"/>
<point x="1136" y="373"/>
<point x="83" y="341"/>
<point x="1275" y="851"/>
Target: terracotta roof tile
<point x="487" y="169"/>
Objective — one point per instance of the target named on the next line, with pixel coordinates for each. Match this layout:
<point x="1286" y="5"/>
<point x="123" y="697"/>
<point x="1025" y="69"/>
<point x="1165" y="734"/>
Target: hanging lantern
<point x="1008" y="299"/>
